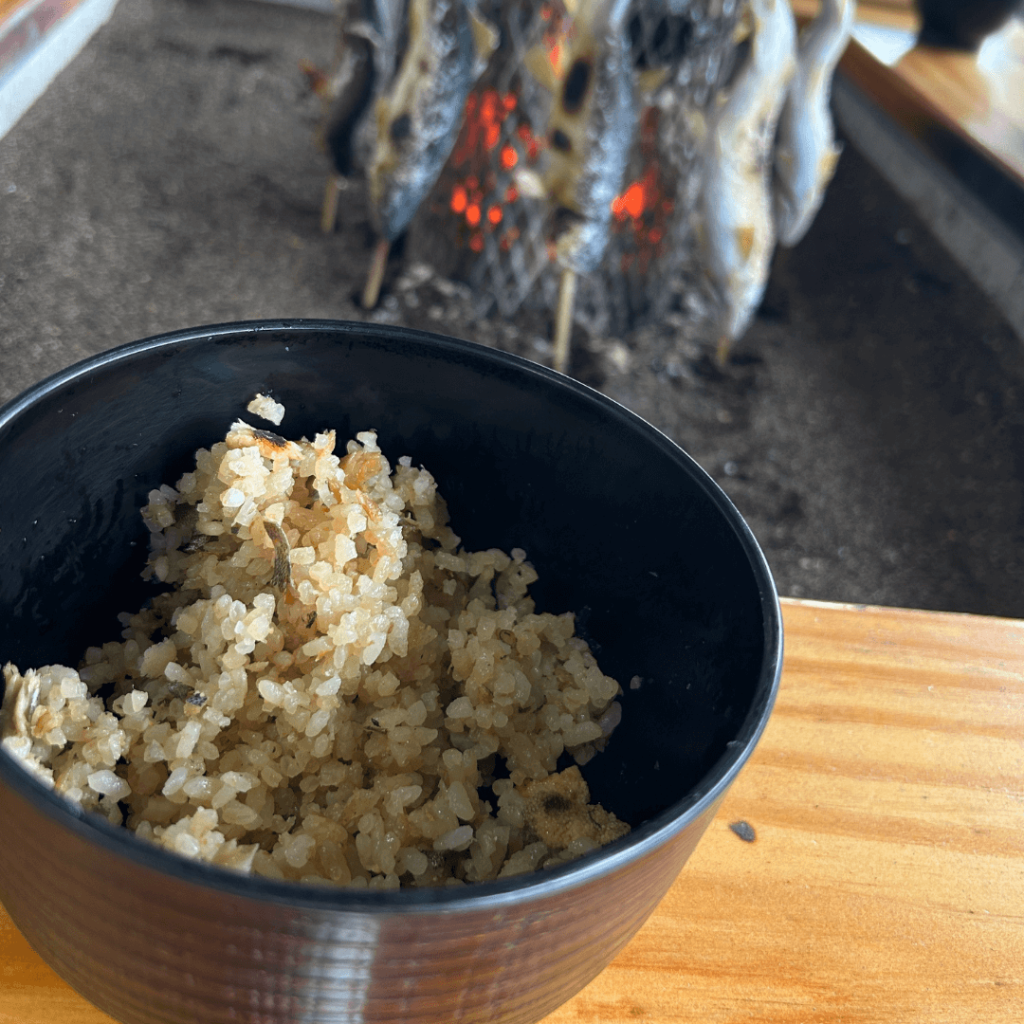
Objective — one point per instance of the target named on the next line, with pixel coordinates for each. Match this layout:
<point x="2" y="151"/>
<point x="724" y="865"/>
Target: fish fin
<point x="827" y="164"/>
<point x="538" y="62"/>
<point x="651" y="80"/>
<point x="745" y="240"/>
<point x="485" y="39"/>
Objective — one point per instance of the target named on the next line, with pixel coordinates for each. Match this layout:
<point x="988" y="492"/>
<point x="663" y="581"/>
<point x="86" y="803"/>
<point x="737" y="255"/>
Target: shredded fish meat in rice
<point x="330" y="689"/>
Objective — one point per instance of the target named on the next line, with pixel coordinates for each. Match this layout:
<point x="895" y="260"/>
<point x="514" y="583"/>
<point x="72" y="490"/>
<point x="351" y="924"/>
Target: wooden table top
<point x="885" y="882"/>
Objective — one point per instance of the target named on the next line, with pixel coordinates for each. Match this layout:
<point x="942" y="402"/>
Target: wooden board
<point x="886" y="879"/>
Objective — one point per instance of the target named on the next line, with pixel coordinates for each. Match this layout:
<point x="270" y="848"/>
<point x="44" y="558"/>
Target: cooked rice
<point x="331" y="690"/>
<point x="266" y="408"/>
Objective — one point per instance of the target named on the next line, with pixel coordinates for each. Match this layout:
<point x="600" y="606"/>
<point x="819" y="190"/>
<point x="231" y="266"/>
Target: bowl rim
<point x="642" y="840"/>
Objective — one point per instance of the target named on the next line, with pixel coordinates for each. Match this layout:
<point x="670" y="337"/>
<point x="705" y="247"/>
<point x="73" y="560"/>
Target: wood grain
<point x="886" y="879"/>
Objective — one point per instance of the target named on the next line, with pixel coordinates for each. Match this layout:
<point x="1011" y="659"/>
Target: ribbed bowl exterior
<point x="149" y="948"/>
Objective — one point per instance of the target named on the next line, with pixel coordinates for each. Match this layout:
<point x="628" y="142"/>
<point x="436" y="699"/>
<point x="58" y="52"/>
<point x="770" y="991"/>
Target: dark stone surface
<point x="870" y="426"/>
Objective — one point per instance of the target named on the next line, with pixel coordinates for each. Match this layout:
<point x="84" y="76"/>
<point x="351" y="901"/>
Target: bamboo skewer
<point x="378" y="263"/>
<point x="563" y="319"/>
<point x="329" y="211"/>
<point x="722" y="350"/>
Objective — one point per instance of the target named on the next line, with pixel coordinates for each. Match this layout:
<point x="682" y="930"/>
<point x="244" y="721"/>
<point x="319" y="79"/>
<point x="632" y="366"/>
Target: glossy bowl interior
<point x="623" y="527"/>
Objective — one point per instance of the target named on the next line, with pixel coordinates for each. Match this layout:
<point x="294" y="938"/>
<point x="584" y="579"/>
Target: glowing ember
<point x="630" y="203"/>
<point x="557" y="31"/>
<point x="492" y="143"/>
<point x="643" y="209"/>
<point x="555" y="56"/>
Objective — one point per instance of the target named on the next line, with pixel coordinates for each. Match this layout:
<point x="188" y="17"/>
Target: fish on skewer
<point x="418" y="116"/>
<point x="367" y="51"/>
<point x="805" y="149"/>
<point x="589" y="131"/>
<point x="738" y="230"/>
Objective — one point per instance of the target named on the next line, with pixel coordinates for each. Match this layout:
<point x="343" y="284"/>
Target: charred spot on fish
<point x="555" y="803"/>
<point x="269" y="436"/>
<point x="561" y="141"/>
<point x="424" y="66"/>
<point x="449" y="24"/>
<point x="401" y="129"/>
<point x="575" y="89"/>
<point x="738" y="60"/>
<point x="563" y="219"/>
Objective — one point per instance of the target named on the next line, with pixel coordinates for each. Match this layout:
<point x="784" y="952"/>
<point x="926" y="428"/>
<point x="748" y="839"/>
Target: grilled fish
<point x="367" y="51"/>
<point x="419" y="114"/>
<point x="589" y="130"/>
<point x="805" y="149"/>
<point x="594" y="111"/>
<point x="736" y="206"/>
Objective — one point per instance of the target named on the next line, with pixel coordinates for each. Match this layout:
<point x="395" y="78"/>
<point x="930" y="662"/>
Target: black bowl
<point x="624" y="528"/>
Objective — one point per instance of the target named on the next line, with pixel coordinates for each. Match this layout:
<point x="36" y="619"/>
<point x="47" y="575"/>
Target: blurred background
<point x="159" y="169"/>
